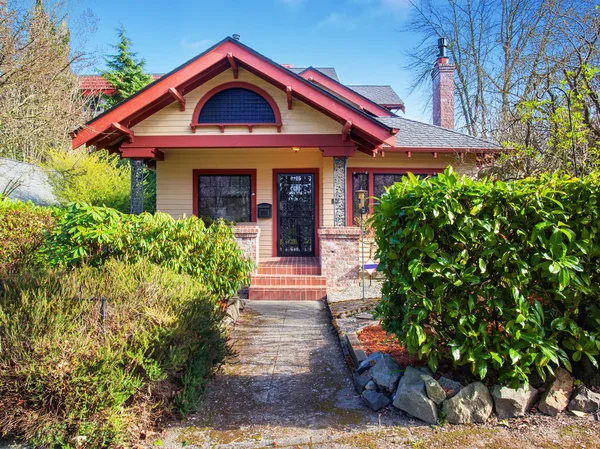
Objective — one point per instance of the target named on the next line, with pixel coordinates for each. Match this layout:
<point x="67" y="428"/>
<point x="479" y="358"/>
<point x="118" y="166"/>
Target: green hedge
<point x="502" y="277"/>
<point x="91" y="235"/>
<point x="63" y="382"/>
<point x="23" y="228"/>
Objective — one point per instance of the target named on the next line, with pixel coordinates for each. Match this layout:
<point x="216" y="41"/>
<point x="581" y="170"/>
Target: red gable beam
<point x="123" y="130"/>
<point x="362" y="102"/>
<point x="143" y="153"/>
<point x="288" y="92"/>
<point x="233" y="65"/>
<point x="179" y="97"/>
<point x="346" y="130"/>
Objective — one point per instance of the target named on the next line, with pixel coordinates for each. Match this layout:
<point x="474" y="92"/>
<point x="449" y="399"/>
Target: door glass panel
<point x="295" y="214"/>
<point x="225" y="196"/>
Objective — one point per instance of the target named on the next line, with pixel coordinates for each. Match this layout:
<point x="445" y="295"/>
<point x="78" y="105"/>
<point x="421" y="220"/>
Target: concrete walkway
<point x="288" y="380"/>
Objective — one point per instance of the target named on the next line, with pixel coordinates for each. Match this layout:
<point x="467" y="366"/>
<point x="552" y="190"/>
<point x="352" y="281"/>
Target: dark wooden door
<point x="295" y="214"/>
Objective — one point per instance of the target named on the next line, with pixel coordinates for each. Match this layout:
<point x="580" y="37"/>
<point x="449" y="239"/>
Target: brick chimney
<point x="443" y="89"/>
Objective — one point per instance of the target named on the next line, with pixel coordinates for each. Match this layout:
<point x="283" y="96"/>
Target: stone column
<point x="339" y="191"/>
<point x="339" y="248"/>
<point x="137" y="186"/>
<point x="247" y="237"/>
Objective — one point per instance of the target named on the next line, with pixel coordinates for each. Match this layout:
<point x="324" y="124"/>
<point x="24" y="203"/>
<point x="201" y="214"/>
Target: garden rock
<point x="471" y="404"/>
<point x="375" y="400"/>
<point x="411" y="397"/>
<point x="361" y="381"/>
<point x="434" y="391"/>
<point x="451" y="387"/>
<point x="585" y="400"/>
<point x="386" y="373"/>
<point x="511" y="403"/>
<point x="371" y="386"/>
<point x="369" y="362"/>
<point x="556" y="397"/>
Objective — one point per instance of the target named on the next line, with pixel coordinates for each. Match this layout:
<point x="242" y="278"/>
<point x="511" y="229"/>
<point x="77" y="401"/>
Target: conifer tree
<point x="124" y="72"/>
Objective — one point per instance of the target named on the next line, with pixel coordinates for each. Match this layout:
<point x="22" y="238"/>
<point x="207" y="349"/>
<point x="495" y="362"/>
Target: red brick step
<point x="289" y="293"/>
<point x="291" y="280"/>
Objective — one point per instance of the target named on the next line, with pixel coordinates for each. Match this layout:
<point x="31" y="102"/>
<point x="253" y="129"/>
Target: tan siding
<point x="327" y="192"/>
<point x="174" y="178"/>
<point x="401" y="160"/>
<point x="301" y="119"/>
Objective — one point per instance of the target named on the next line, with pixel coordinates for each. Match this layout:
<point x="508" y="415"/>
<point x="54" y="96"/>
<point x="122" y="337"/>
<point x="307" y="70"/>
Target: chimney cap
<point x="442" y="46"/>
<point x="236" y="37"/>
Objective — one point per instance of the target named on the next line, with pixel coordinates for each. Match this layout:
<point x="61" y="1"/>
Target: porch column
<point x="137" y="186"/>
<point x="339" y="191"/>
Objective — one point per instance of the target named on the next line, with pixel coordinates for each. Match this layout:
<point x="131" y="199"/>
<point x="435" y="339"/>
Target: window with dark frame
<point x="236" y="105"/>
<point x="225" y="196"/>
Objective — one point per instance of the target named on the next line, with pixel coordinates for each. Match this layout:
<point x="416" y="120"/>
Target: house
<point x="281" y="151"/>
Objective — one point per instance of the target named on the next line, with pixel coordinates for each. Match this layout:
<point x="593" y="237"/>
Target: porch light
<point x="295" y="149"/>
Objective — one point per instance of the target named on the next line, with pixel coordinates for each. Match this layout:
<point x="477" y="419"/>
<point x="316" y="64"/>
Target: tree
<point x="124" y="72"/>
<point x="40" y="99"/>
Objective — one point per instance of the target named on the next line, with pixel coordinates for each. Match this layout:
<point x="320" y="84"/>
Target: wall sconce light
<point x="295" y="149"/>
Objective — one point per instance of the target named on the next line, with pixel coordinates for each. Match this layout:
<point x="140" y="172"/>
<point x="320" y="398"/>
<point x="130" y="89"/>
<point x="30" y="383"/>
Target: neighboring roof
<point x="95" y="84"/>
<point x="328" y="71"/>
<point x="383" y="95"/>
<point x="413" y="134"/>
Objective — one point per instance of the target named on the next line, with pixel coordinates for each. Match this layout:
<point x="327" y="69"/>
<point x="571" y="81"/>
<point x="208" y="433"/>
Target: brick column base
<point x="247" y="238"/>
<point x="339" y="249"/>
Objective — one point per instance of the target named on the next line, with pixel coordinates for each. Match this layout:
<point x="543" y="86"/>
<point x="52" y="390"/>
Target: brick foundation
<point x="247" y="238"/>
<point x="339" y="248"/>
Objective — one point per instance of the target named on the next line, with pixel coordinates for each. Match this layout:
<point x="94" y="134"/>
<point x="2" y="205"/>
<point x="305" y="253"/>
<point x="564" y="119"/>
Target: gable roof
<point x="111" y="126"/>
<point x="328" y="71"/>
<point x="97" y="84"/>
<point x="383" y="95"/>
<point x="415" y="135"/>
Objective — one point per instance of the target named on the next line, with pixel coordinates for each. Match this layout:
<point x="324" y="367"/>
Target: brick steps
<point x="289" y="270"/>
<point x="287" y="292"/>
<point x="288" y="280"/>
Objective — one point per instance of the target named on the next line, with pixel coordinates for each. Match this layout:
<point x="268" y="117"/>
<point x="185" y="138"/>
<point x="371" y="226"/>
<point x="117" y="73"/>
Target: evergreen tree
<point x="124" y="71"/>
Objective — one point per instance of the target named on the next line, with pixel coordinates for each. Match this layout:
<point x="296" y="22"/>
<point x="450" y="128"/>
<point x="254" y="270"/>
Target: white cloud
<point x="340" y="21"/>
<point x="194" y="45"/>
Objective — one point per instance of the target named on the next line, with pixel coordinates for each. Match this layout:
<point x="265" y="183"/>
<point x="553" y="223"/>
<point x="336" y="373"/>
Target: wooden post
<point x="137" y="186"/>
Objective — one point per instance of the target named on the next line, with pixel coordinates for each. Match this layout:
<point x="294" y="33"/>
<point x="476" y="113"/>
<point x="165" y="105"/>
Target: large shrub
<point x="23" y="228"/>
<point x="92" y="235"/>
<point x="67" y="380"/>
<point x="502" y="277"/>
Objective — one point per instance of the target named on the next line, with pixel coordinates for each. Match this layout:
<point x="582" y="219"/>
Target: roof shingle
<point x="382" y="95"/>
<point x="413" y="134"/>
<point x="328" y="71"/>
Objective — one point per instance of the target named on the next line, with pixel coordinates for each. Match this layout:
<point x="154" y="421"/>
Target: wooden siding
<point x="401" y="160"/>
<point x="174" y="179"/>
<point x="301" y="119"/>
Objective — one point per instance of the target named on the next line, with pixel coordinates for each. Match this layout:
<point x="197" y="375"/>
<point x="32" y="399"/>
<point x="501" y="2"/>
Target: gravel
<point x="372" y="290"/>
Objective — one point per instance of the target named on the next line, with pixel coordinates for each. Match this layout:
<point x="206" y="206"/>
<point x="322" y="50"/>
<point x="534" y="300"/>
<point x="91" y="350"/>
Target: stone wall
<point x="247" y="237"/>
<point x="339" y="248"/>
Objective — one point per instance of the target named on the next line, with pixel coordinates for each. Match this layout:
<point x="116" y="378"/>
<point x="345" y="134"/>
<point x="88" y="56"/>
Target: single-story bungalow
<point x="281" y="151"/>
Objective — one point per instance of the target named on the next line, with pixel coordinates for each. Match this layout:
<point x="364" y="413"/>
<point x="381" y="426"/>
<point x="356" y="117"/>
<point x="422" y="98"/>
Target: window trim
<point x="226" y="172"/>
<point x="240" y="85"/>
<point x="370" y="171"/>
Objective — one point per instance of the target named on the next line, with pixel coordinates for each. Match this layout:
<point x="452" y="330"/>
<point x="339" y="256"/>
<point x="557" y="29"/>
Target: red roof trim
<point x="232" y="85"/>
<point x="157" y="93"/>
<point x="346" y="92"/>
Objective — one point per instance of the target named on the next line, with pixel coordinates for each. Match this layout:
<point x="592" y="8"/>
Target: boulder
<point x="556" y="397"/>
<point x="412" y="399"/>
<point x="434" y="391"/>
<point x="585" y="400"/>
<point x="371" y="386"/>
<point x="451" y="387"/>
<point x="361" y="381"/>
<point x="511" y="403"/>
<point x="375" y="400"/>
<point x="471" y="404"/>
<point x="369" y="362"/>
<point x="386" y="373"/>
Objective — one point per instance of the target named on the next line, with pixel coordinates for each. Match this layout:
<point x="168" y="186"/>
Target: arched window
<point x="235" y="104"/>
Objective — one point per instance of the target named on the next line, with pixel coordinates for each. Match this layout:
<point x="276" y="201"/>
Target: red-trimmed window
<point x="374" y="181"/>
<point x="228" y="194"/>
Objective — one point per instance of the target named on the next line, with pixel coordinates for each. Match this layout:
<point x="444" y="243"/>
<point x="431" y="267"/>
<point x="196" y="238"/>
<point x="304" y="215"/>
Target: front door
<point x="295" y="214"/>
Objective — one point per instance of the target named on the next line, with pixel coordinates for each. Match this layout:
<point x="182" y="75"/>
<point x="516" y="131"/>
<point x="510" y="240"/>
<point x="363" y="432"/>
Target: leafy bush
<point x="92" y="235"/>
<point x="97" y="178"/>
<point x="23" y="227"/>
<point x="502" y="277"/>
<point x="63" y="381"/>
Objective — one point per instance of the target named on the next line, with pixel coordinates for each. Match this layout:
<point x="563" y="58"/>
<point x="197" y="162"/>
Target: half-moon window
<point x="236" y="105"/>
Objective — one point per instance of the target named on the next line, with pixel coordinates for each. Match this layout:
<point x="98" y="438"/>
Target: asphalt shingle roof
<point x="329" y="71"/>
<point x="378" y="94"/>
<point x="413" y="134"/>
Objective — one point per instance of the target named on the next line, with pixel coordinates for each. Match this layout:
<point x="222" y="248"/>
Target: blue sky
<point x="360" y="38"/>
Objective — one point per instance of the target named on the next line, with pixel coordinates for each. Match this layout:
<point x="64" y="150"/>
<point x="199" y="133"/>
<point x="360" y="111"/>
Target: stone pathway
<point x="289" y="387"/>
